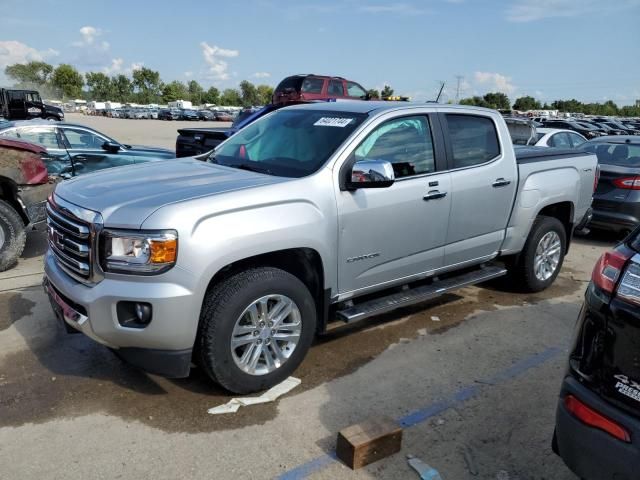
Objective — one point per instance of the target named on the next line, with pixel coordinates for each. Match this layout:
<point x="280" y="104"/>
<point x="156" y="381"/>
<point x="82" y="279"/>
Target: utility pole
<point x="459" y="79"/>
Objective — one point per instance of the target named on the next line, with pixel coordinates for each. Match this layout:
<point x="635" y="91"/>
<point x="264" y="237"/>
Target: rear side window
<point x="560" y="140"/>
<point x="289" y="82"/>
<point x="45" y="136"/>
<point x="312" y="85"/>
<point x="474" y="140"/>
<point x="576" y="139"/>
<point x="404" y="142"/>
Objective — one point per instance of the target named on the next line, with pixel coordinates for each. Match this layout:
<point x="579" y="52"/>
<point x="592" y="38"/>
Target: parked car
<point x="25" y="105"/>
<point x="187" y="114"/>
<point x="616" y="203"/>
<point x="557" y="137"/>
<point x="206" y="115"/>
<point x="75" y="149"/>
<point x="613" y="123"/>
<point x="298" y="221"/>
<point x="317" y="87"/>
<point x="224" y="117"/>
<point x="139" y="114"/>
<point x="597" y="431"/>
<point x="24" y="188"/>
<point x="607" y="129"/>
<point x="152" y="113"/>
<point x="170" y="114"/>
<point x="588" y="132"/>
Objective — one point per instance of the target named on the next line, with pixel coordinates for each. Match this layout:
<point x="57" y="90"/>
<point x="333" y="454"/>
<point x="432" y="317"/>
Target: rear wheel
<point x="12" y="236"/>
<point x="255" y="329"/>
<point x="542" y="256"/>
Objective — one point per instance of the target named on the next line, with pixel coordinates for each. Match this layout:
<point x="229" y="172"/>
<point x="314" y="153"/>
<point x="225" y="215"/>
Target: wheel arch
<point x="563" y="211"/>
<point x="9" y="193"/>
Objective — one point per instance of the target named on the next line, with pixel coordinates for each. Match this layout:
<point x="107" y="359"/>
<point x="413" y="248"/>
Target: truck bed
<point x="194" y="141"/>
<point x="538" y="154"/>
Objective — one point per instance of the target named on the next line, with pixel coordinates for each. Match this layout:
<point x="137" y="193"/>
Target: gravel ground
<point x="473" y="377"/>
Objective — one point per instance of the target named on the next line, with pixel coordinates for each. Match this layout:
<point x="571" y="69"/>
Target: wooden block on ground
<point x="368" y="442"/>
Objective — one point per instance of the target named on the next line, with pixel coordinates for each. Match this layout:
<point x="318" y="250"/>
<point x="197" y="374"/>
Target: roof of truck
<point x="369" y="106"/>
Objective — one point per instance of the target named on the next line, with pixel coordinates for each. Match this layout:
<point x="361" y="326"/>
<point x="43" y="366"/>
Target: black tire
<point x="14" y="236"/>
<point x="522" y="271"/>
<point x="52" y="119"/>
<point x="224" y="304"/>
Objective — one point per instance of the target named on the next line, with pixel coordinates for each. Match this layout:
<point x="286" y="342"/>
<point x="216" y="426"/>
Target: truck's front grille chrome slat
<point x="72" y="242"/>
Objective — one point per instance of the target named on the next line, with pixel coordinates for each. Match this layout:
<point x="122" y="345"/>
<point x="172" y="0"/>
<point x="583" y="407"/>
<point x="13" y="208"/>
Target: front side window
<point x="45" y="136"/>
<point x="83" y="139"/>
<point x="404" y="142"/>
<point x="312" y="85"/>
<point x="474" y="140"/>
<point x="335" y="88"/>
<point x="288" y="143"/>
<point x="355" y="90"/>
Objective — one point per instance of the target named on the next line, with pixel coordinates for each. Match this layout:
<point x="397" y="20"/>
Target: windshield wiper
<point x="250" y="168"/>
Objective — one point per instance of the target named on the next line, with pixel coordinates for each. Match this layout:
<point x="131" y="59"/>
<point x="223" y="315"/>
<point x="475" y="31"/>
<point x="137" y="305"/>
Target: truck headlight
<point x="142" y="253"/>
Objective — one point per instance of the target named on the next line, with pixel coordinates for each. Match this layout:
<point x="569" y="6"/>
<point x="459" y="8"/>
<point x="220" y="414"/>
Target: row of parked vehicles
<point x="593" y="127"/>
<point x="169" y="114"/>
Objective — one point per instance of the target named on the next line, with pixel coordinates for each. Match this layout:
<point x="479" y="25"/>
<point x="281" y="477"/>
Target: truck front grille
<point x="71" y="242"/>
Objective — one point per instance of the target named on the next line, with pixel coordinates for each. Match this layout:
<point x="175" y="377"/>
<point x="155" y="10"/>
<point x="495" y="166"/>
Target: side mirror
<point x="111" y="147"/>
<point x="371" y="174"/>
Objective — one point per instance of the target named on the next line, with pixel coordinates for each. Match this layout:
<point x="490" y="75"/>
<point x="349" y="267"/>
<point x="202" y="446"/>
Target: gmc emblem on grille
<point x="56" y="238"/>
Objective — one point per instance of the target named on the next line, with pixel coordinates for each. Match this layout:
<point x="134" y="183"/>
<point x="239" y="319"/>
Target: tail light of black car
<point x="591" y="417"/>
<point x="609" y="267"/>
<point x="628" y="183"/>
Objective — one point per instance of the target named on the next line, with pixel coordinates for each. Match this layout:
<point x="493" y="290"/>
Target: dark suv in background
<point x="598" y="416"/>
<point x="587" y="131"/>
<point x="317" y="87"/>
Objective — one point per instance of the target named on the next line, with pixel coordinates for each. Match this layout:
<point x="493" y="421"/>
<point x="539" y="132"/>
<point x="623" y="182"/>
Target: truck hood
<point x="126" y="196"/>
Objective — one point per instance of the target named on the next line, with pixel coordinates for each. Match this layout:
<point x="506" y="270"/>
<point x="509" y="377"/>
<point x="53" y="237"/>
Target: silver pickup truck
<point x="313" y="216"/>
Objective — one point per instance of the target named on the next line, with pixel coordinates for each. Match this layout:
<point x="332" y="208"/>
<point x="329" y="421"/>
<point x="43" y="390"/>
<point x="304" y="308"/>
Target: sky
<point x="549" y="49"/>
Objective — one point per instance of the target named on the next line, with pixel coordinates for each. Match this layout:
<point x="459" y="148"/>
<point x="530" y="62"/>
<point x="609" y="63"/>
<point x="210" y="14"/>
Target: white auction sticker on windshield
<point x="333" y="122"/>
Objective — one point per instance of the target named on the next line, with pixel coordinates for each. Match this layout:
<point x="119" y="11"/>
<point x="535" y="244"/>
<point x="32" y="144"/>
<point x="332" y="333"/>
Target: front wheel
<point x="12" y="236"/>
<point x="255" y="329"/>
<point x="542" y="256"/>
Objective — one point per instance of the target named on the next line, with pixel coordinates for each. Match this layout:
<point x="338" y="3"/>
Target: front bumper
<point x="590" y="453"/>
<point x="163" y="347"/>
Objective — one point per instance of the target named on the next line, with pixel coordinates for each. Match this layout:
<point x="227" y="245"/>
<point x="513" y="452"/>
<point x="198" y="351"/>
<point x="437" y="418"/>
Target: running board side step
<point x="419" y="294"/>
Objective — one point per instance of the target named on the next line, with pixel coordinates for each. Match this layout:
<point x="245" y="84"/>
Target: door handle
<point x="500" y="182"/>
<point x="79" y="157"/>
<point x="434" y="195"/>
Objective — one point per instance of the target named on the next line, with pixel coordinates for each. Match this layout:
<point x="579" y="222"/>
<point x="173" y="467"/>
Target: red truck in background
<point x="24" y="188"/>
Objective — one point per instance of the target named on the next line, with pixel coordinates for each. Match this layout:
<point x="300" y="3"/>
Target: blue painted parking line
<point x="418" y="416"/>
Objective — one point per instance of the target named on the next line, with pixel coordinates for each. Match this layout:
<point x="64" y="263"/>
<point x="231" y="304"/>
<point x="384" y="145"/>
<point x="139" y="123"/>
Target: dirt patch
<point x="13" y="307"/>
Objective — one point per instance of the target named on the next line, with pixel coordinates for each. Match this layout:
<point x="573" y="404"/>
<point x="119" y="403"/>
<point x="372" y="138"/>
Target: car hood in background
<point x="126" y="196"/>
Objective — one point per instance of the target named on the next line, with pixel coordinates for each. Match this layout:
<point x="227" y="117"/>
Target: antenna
<point x="440" y="92"/>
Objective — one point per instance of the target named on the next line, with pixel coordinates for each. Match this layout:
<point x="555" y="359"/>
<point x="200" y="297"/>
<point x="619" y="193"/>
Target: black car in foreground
<point x="616" y="201"/>
<point x="597" y="430"/>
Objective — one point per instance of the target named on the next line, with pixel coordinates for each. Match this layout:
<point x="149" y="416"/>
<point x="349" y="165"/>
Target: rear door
<point x="57" y="159"/>
<point x="484" y="179"/>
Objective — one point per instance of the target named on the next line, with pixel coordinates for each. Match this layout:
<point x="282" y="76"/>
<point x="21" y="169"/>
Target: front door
<point x="17" y="107"/>
<point x="390" y="234"/>
<point x="484" y="180"/>
<point x="86" y="151"/>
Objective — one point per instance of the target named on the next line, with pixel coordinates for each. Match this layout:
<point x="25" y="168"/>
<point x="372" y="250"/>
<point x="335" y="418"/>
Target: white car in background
<point x="557" y="137"/>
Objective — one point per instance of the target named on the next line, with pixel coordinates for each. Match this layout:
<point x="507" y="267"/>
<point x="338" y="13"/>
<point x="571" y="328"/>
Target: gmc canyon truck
<point x="313" y="216"/>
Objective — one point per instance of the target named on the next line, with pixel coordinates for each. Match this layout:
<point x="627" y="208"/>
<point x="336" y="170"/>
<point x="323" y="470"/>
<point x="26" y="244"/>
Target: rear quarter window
<point x="473" y="138"/>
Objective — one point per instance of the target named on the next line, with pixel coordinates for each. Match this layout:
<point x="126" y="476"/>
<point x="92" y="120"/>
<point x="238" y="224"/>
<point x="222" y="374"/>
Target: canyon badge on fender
<point x="363" y="257"/>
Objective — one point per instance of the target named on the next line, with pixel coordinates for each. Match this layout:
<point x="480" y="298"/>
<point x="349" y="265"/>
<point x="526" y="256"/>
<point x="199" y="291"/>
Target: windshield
<point x="288" y="143"/>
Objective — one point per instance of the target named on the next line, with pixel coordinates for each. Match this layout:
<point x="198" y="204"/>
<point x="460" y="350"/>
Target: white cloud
<point x="89" y="34"/>
<point x="12" y="51"/>
<point x="532" y="10"/>
<point x="115" y="67"/>
<point x="394" y="8"/>
<point x="188" y="74"/>
<point x="494" y="82"/>
<point x="135" y="66"/>
<point x="214" y="55"/>
<point x="261" y="75"/>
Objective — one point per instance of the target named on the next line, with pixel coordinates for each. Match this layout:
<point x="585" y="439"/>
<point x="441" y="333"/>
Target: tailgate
<point x="196" y="141"/>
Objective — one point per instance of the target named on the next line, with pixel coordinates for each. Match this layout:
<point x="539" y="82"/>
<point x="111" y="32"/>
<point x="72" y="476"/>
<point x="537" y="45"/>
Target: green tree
<point x="265" y="94"/>
<point x="249" y="93"/>
<point x="32" y="73"/>
<point x="122" y="88"/>
<point x="231" y="97"/>
<point x="526" y="103"/>
<point x="497" y="100"/>
<point x="196" y="92"/>
<point x="211" y="96"/>
<point x="387" y="91"/>
<point x="147" y="85"/>
<point x="475" y="102"/>
<point x="174" y="91"/>
<point x="373" y="94"/>
<point x="100" y="86"/>
<point x="68" y="80"/>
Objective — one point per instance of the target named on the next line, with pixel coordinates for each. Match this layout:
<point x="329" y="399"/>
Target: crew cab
<point x="311" y="217"/>
<point x="25" y="105"/>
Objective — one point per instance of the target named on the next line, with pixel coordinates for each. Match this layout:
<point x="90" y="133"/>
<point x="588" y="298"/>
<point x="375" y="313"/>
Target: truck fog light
<point x="134" y="314"/>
